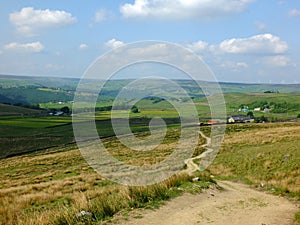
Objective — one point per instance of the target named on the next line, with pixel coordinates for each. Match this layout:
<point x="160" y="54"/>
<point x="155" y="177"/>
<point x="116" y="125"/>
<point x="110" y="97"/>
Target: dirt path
<point x="191" y="166"/>
<point x="237" y="204"/>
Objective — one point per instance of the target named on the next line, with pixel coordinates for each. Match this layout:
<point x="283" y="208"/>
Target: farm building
<point x="239" y="119"/>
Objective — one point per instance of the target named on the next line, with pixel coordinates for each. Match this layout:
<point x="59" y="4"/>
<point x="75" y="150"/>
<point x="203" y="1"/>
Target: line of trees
<point x="275" y="107"/>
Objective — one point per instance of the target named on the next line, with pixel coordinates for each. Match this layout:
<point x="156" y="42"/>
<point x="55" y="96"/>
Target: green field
<point x="19" y="135"/>
<point x="24" y="125"/>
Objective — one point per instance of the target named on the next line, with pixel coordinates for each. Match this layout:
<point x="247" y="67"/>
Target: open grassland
<point x="16" y="110"/>
<point x="267" y="155"/>
<point x="264" y="155"/>
<point x="54" y="185"/>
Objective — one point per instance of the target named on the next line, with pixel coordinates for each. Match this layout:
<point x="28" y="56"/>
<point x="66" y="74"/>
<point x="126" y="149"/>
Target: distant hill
<point x="35" y="90"/>
<point x="9" y="81"/>
<point x="259" y="88"/>
<point x="5" y="99"/>
<point x="236" y="99"/>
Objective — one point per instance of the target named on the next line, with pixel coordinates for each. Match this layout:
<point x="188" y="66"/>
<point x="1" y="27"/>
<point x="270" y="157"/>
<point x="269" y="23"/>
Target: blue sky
<point x="240" y="40"/>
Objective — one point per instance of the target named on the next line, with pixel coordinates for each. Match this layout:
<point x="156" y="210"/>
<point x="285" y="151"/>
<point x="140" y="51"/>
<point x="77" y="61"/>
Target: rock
<point x="285" y="158"/>
<point x="84" y="214"/>
<point x="196" y="179"/>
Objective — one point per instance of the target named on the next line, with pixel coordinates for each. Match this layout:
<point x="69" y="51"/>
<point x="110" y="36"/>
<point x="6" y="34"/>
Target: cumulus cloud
<point x="27" y="47"/>
<point x="294" y="12"/>
<point x="102" y="15"/>
<point x="258" y="44"/>
<point x="197" y="46"/>
<point x="113" y="43"/>
<point x="29" y="21"/>
<point x="182" y="9"/>
<point x="83" y="47"/>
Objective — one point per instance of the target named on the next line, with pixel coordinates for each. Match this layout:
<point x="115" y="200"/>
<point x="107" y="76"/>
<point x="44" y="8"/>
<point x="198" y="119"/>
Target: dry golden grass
<point x="263" y="134"/>
<point x="33" y="187"/>
<point x="267" y="154"/>
<point x="51" y="188"/>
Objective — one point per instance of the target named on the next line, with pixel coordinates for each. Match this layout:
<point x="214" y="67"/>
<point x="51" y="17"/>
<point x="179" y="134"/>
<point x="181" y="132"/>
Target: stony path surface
<point x="237" y="204"/>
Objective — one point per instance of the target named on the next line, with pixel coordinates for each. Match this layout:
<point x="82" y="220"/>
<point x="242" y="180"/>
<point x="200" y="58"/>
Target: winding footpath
<point x="191" y="166"/>
<point x="236" y="204"/>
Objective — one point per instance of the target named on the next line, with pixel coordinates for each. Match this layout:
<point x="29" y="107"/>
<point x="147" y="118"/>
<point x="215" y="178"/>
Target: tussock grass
<point x="111" y="201"/>
<point x="53" y="186"/>
<point x="263" y="154"/>
<point x="297" y="218"/>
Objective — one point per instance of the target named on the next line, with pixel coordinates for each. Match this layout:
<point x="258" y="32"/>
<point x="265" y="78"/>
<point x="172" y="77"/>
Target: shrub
<point x="134" y="109"/>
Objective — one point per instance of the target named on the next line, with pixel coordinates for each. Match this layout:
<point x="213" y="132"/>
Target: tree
<point x="263" y="119"/>
<point x="250" y="114"/>
<point x="65" y="109"/>
<point x="134" y="109"/>
<point x="298" y="116"/>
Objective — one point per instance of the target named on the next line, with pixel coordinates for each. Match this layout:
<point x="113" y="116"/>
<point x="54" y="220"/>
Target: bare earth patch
<point x="237" y="204"/>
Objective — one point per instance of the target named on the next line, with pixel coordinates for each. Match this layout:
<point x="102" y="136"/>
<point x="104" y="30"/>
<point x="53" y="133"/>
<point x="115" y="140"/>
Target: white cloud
<point x="197" y="46"/>
<point x="83" y="47"/>
<point x="182" y="9"/>
<point x="27" y="47"/>
<point x="294" y="12"/>
<point x="277" y="61"/>
<point x="113" y="43"/>
<point x="259" y="44"/>
<point x="102" y="15"/>
<point x="29" y="21"/>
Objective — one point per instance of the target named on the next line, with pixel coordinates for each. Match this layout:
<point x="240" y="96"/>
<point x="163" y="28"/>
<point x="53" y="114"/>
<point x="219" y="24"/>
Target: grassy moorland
<point x="265" y="155"/>
<point x="54" y="185"/>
